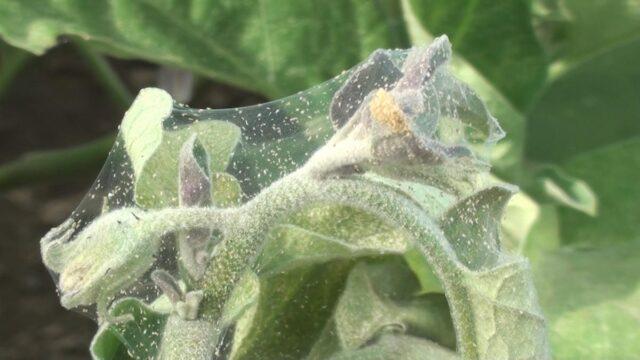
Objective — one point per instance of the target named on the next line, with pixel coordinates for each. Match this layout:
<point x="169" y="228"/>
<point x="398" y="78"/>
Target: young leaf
<point x="154" y="150"/>
<point x="429" y="282"/>
<point x="156" y="183"/>
<point x="226" y="190"/>
<point x="137" y="339"/>
<point x="378" y="297"/>
<point x="142" y="125"/>
<point x="304" y="247"/>
<point x="193" y="174"/>
<point x="472" y="226"/>
<point x="503" y="313"/>
<point x="508" y="152"/>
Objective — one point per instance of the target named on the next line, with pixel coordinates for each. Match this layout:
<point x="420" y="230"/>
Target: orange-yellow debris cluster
<point x="385" y="110"/>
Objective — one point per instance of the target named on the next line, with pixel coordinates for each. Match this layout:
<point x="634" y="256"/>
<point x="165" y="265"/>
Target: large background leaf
<point x="496" y="37"/>
<point x="618" y="217"/>
<point x="265" y="46"/>
<point x="593" y="104"/>
<point x="590" y="297"/>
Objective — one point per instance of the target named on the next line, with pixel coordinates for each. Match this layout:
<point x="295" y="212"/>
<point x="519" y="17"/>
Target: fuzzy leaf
<point x="503" y="313"/>
<point x="154" y="150"/>
<point x="225" y="190"/>
<point x="472" y="226"/>
<point x="302" y="269"/>
<point x="508" y="152"/>
<point x="368" y="306"/>
<point x="194" y="175"/>
<point x="137" y="339"/>
<point x="157" y="185"/>
<point x="291" y="310"/>
<point x="398" y="347"/>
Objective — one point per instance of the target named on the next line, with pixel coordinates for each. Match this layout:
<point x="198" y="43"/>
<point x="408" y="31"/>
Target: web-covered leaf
<point x="311" y="225"/>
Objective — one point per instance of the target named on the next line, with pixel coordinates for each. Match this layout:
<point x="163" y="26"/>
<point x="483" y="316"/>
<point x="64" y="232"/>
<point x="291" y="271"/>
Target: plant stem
<point x="105" y="74"/>
<point x="11" y="66"/>
<point x="289" y="195"/>
<point x="245" y="229"/>
<point x="188" y="339"/>
<point x="51" y="165"/>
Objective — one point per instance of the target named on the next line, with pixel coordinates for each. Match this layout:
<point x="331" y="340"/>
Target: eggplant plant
<point x="353" y="220"/>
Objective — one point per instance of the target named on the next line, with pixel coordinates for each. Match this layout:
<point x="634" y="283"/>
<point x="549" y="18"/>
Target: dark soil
<point x="55" y="102"/>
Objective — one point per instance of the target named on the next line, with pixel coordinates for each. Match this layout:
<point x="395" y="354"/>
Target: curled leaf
<point x="559" y="187"/>
<point x="195" y="184"/>
<point x="419" y="123"/>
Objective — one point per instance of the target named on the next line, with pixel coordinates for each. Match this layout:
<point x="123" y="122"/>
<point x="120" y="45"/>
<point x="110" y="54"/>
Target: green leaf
<point x="612" y="173"/>
<point x="472" y="226"/>
<point x="136" y="339"/>
<point x="226" y="190"/>
<point x="504" y="312"/>
<point x="544" y="235"/>
<point x="496" y="38"/>
<point x="591" y="298"/>
<point x="520" y="215"/>
<point x="592" y="104"/>
<point x="398" y="347"/>
<point x="350" y="227"/>
<point x="378" y="297"/>
<point x="588" y="27"/>
<point x="501" y="309"/>
<point x="107" y="346"/>
<point x="432" y="200"/>
<point x="429" y="282"/>
<point x="154" y="150"/>
<point x="157" y="185"/>
<point x="255" y="44"/>
<point x="142" y="126"/>
<point x="304" y="247"/>
<point x="563" y="189"/>
<point x="291" y="310"/>
<point x="302" y="271"/>
<point x="242" y="297"/>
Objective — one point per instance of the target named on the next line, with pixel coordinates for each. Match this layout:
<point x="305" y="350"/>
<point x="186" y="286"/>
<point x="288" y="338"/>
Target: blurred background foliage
<point x="561" y="76"/>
